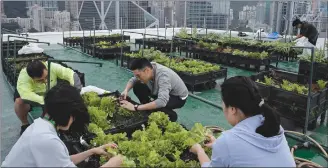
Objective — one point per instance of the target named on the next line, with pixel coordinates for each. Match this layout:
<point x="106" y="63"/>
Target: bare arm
<point x="202" y="156"/>
<point x="77" y="158"/>
<point x="129" y="86"/>
<point x="148" y="106"/>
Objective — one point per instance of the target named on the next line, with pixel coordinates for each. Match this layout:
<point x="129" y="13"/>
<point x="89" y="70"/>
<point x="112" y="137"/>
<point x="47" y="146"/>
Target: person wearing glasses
<point x="40" y="146"/>
<point x="160" y="83"/>
<point x="32" y="84"/>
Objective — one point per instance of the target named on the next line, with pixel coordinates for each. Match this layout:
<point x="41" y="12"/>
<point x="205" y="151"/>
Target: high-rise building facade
<point x="37" y="14"/>
<point x="209" y="14"/>
<point x="163" y="11"/>
<point x="260" y="12"/>
<point x="25" y="23"/>
<point x="62" y="21"/>
<point x="73" y="8"/>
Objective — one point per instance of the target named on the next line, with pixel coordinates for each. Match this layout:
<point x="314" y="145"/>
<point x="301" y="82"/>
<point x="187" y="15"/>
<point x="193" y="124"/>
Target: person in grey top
<point x="153" y="80"/>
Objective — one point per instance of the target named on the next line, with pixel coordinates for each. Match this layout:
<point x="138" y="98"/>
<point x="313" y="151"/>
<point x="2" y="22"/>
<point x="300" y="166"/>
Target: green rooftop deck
<point x="112" y="77"/>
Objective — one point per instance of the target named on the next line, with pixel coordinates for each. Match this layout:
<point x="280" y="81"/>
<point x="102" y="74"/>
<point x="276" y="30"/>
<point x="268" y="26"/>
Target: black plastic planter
<point x="72" y="139"/>
<point x="265" y="90"/>
<point x="194" y="80"/>
<point x="109" y="53"/>
<point x="228" y="59"/>
<point x="78" y="41"/>
<point x="244" y="62"/>
<point x="320" y="70"/>
<point x="290" y="104"/>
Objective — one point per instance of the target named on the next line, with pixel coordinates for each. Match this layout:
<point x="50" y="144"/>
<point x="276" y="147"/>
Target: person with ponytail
<point x="256" y="138"/>
<point x="40" y="146"/>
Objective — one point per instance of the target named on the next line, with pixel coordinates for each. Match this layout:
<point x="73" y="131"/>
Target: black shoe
<point x="23" y="128"/>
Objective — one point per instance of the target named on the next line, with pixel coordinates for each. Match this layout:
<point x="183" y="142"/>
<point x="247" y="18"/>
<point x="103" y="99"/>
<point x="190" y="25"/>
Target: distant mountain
<point x="15" y="9"/>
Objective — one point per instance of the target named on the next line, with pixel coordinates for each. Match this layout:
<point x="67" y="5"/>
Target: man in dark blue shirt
<point x="307" y="30"/>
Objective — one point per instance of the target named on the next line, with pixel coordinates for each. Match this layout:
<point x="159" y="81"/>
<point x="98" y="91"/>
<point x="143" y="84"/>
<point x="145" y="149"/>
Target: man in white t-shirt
<point x="40" y="146"/>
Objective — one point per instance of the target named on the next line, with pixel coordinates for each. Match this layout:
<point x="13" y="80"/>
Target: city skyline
<point x="83" y="15"/>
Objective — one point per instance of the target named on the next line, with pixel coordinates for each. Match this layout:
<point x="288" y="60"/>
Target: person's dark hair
<point x="242" y="93"/>
<point x="140" y="63"/>
<point x="35" y="69"/>
<point x="63" y="101"/>
<point x="296" y="22"/>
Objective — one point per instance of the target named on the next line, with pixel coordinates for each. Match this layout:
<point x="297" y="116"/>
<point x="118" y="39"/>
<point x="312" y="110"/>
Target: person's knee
<point x="21" y="105"/>
<point x="19" y="102"/>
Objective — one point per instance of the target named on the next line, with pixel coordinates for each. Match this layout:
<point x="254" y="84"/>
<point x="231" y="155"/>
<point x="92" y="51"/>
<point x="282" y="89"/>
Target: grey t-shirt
<point x="39" y="146"/>
<point x="166" y="83"/>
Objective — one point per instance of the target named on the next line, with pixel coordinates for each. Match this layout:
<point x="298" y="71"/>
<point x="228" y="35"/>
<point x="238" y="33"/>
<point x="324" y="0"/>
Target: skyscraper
<point x="260" y="12"/>
<point x="49" y="7"/>
<point x="162" y="10"/>
<point x="212" y="14"/>
<point x="37" y="14"/>
<point x="61" y="20"/>
<point x="73" y="8"/>
<point x="2" y="9"/>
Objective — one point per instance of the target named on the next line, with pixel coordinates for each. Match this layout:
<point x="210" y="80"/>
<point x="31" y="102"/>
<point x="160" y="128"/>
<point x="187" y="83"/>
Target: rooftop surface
<point x="112" y="77"/>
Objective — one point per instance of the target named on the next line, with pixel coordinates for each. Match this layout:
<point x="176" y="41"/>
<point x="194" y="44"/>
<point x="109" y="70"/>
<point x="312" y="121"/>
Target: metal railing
<point x="310" y="88"/>
<point x="19" y="37"/>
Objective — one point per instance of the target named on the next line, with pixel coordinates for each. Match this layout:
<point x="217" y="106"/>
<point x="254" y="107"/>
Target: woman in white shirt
<point x="40" y="146"/>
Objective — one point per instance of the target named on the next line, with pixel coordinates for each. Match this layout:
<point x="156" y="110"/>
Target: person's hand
<point x="115" y="161"/>
<point x="196" y="148"/>
<point x="124" y="94"/>
<point x="211" y="141"/>
<point x="101" y="150"/>
<point x="127" y="105"/>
